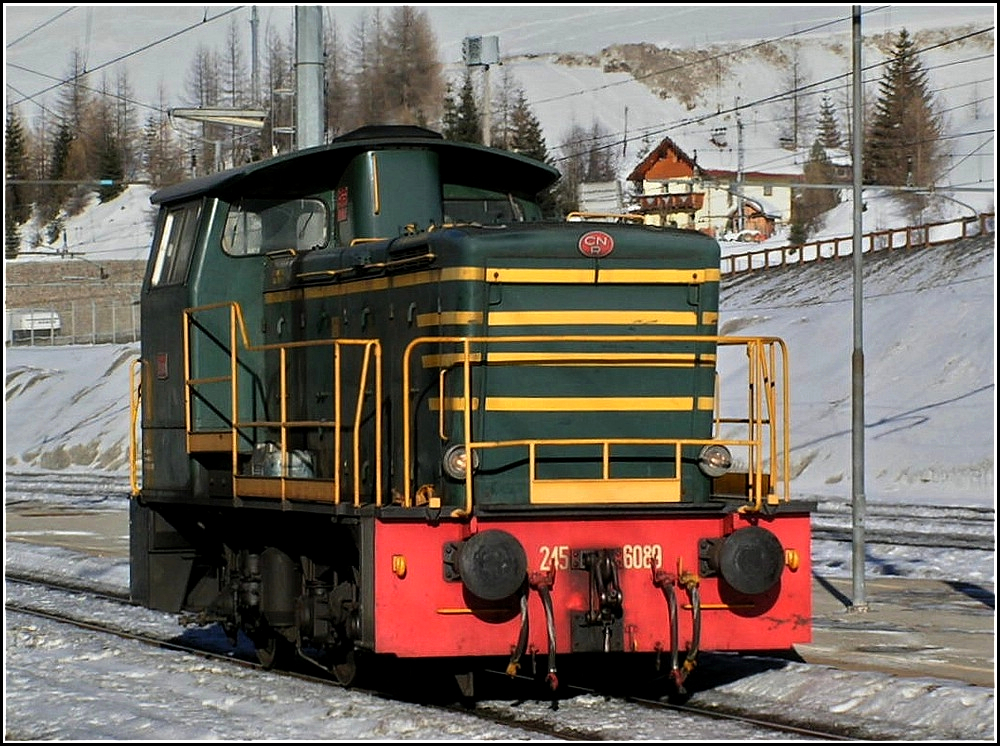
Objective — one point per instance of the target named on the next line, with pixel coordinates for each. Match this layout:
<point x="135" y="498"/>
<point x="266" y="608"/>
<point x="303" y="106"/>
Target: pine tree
<point x="111" y="169"/>
<point x="526" y="135"/>
<point x="204" y="88"/>
<point x="16" y="203"/>
<point x="11" y="236"/>
<point x="828" y="130"/>
<point x="902" y="145"/>
<point x="461" y="121"/>
<point x="810" y="204"/>
<point x="162" y="155"/>
<point x="527" y="139"/>
<point x="368" y="84"/>
<point x="281" y="78"/>
<point x="15" y="208"/>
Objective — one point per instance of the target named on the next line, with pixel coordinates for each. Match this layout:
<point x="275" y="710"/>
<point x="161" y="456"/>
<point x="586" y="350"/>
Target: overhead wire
<point x="65" y="81"/>
<point x="39" y="27"/>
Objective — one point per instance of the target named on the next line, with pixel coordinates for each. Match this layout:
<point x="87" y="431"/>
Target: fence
<point x="931" y="234"/>
<point x="96" y="321"/>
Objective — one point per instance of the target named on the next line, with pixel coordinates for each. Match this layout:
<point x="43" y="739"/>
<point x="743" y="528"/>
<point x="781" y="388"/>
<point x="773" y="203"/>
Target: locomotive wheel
<point x="274" y="650"/>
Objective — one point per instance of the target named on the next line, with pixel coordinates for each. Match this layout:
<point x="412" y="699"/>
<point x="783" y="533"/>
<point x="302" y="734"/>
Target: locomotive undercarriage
<point x="289" y="583"/>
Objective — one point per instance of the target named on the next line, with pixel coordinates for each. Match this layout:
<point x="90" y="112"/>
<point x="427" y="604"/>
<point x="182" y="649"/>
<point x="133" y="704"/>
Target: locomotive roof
<point x="318" y="168"/>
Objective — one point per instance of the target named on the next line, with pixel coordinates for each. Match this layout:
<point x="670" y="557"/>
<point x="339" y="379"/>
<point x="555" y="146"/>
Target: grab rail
<point x="238" y="430"/>
<point x="767" y="418"/>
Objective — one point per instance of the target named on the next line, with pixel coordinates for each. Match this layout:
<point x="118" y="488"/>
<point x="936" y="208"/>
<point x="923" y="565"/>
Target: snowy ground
<point x="100" y="689"/>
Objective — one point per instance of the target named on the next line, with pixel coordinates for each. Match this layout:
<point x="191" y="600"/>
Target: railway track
<point x="574" y="716"/>
<point x="904" y="525"/>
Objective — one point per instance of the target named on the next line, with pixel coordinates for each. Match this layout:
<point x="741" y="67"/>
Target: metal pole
<point x="740" y="204"/>
<point x="858" y="357"/>
<point x="308" y="76"/>
<point x="254" y="63"/>
<point x="487" y="106"/>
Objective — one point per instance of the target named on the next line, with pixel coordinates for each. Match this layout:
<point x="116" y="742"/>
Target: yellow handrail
<point x="135" y="402"/>
<point x="239" y="339"/>
<point x="767" y="421"/>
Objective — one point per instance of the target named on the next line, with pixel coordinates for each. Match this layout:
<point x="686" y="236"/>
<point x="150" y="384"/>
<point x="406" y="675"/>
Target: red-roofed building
<point x="672" y="188"/>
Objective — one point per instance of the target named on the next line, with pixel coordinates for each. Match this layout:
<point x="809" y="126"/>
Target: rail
<point x="765" y="444"/>
<point x="927" y="235"/>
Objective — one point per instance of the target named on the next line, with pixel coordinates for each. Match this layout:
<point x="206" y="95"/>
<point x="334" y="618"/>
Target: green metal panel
<point x="381" y="193"/>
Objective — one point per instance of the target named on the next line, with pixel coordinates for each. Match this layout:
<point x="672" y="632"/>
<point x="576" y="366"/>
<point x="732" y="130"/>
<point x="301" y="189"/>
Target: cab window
<point x="173" y="251"/>
<point x="255" y="226"/>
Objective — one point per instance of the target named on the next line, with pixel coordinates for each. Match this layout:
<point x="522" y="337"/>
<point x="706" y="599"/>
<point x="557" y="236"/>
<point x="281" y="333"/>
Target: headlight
<point x="456" y="461"/>
<point x="715" y="460"/>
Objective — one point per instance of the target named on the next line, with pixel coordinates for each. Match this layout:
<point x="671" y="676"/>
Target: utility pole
<point x="483" y="51"/>
<point x="739" y="170"/>
<point x="255" y="65"/>
<point x="859" y="603"/>
<point x="308" y="76"/>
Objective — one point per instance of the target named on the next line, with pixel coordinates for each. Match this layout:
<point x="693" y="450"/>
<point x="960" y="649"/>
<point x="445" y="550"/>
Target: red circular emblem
<point x="596" y="244"/>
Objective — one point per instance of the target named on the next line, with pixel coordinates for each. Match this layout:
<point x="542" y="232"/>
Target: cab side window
<point x="255" y="227"/>
<point x="173" y="251"/>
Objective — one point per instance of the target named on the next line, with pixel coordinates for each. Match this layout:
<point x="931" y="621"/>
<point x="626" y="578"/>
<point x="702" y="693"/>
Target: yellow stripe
<point x="501" y="274"/>
<point x="589" y="404"/>
<point x="446" y="361"/>
<point x="351" y="287"/>
<point x="453" y="403"/>
<point x="545" y="276"/>
<point x="612" y="491"/>
<point x="583" y="357"/>
<point x="706" y="403"/>
<point x="659" y="276"/>
<point x="602" y="276"/>
<point x="449" y="318"/>
<point x="710" y="317"/>
<point x="283" y="296"/>
<point x="592" y="318"/>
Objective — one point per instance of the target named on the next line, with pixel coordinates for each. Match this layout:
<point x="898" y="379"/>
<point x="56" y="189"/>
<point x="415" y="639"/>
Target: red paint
<point x="424" y="615"/>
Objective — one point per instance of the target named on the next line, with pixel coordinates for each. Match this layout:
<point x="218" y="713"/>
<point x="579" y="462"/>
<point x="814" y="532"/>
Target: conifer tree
<point x="110" y="169"/>
<point x="828" y="129"/>
<point x="16" y="203"/>
<point x="902" y="145"/>
<point x="280" y="73"/>
<point x="810" y="204"/>
<point x="526" y="135"/>
<point x="461" y="121"/>
<point x="15" y="207"/>
<point x="527" y="139"/>
<point x="162" y="155"/>
<point x="368" y="86"/>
